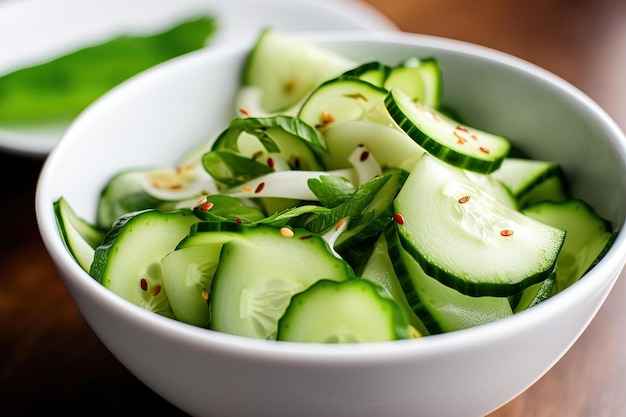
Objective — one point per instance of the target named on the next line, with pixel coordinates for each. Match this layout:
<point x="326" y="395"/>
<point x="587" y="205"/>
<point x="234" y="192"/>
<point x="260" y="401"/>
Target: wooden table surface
<point x="50" y="361"/>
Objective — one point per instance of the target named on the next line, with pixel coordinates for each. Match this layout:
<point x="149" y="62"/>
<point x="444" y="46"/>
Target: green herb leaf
<point x="223" y="208"/>
<point x="353" y="206"/>
<point x="286" y="135"/>
<point x="331" y="190"/>
<point x="232" y="169"/>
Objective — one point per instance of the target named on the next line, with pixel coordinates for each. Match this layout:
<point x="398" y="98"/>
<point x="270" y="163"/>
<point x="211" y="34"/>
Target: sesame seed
<point x="286" y="232"/>
<point x="156" y="290"/>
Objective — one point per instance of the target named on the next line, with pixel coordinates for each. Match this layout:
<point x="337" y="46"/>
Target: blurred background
<point x="50" y="361"/>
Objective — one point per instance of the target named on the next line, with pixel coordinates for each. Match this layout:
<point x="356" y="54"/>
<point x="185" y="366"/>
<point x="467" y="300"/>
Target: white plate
<point x="33" y="31"/>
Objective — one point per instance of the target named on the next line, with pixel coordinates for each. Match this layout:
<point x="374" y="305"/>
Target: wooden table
<point x="50" y="361"/>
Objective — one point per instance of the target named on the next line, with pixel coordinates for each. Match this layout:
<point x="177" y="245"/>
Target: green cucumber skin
<point x="380" y="269"/>
<point x="356" y="324"/>
<point x="535" y="294"/>
<point x="589" y="236"/>
<point x="349" y="90"/>
<point x="80" y="237"/>
<point x="259" y="273"/>
<point x="373" y="72"/>
<point x="92" y="234"/>
<point x="465" y="287"/>
<point x="471" y="276"/>
<point x="123" y="194"/>
<point x="412" y="297"/>
<point x="432" y="146"/>
<point x="187" y="274"/>
<point x="441" y="308"/>
<point x="130" y="254"/>
<point x="530" y="185"/>
<point x="426" y="69"/>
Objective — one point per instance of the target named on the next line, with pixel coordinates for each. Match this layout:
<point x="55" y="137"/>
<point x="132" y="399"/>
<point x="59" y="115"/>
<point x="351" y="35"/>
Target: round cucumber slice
<point x="467" y="239"/>
<point x="286" y="69"/>
<point x="350" y="311"/>
<point x="128" y="260"/>
<point x="445" y="138"/>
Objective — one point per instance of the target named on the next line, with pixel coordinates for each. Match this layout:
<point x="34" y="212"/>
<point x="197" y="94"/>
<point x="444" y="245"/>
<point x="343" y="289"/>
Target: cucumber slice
<point x="79" y="236"/>
<point x="188" y="271"/>
<point x="187" y="274"/>
<point x="467" y="239"/>
<point x="128" y="260"/>
<point x="373" y="72"/>
<point x="445" y="138"/>
<point x="286" y="69"/>
<point x="211" y="232"/>
<point x="532" y="181"/>
<point x="441" y="308"/>
<point x="151" y="188"/>
<point x="257" y="276"/>
<point x="124" y="193"/>
<point x="491" y="185"/>
<point x="350" y="311"/>
<point x="379" y="269"/>
<point x="419" y="78"/>
<point x="536" y="294"/>
<point x="588" y="236"/>
<point x="341" y="99"/>
<point x="390" y="146"/>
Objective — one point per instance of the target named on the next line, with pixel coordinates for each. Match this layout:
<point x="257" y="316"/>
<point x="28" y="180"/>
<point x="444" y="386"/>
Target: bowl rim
<point x="597" y="279"/>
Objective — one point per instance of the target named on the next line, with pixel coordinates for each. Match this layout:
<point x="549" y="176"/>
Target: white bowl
<point x="158" y="115"/>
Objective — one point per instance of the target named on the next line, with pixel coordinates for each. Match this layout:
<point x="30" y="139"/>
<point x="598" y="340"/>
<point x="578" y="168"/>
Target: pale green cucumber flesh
<point x="535" y="294"/>
<point x="432" y="81"/>
<point x="441" y="308"/>
<point x="466" y="238"/>
<point x="379" y="269"/>
<point x="445" y="138"/>
<point x="187" y="274"/>
<point x="552" y="189"/>
<point x="491" y="185"/>
<point x="257" y="276"/>
<point x="531" y="181"/>
<point x="408" y="80"/>
<point x="128" y="260"/>
<point x="390" y="146"/>
<point x="341" y="99"/>
<point x="123" y="193"/>
<point x="373" y="72"/>
<point x="79" y="236"/>
<point x="350" y="311"/>
<point x="287" y="69"/>
<point x="588" y="236"/>
<point x="210" y="232"/>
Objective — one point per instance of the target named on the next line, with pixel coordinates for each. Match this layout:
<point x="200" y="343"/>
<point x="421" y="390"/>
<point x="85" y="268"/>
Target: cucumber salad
<point x="343" y="203"/>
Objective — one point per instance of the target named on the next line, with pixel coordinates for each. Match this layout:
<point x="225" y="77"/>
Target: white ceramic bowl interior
<point x="156" y="117"/>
